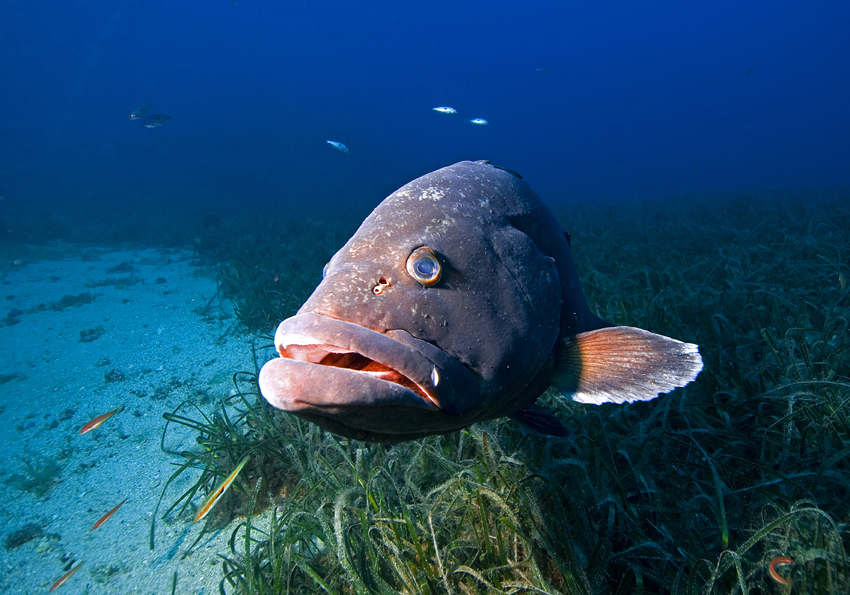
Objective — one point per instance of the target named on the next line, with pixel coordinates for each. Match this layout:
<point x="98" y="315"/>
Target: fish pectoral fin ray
<point x="541" y="420"/>
<point x="623" y="364"/>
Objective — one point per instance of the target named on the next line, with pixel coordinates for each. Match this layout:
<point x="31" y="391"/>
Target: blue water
<point x="605" y="101"/>
<point x="609" y="100"/>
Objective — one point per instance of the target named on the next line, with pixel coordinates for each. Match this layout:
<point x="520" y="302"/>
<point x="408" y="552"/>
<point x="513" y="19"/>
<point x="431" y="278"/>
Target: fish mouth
<point x="335" y="357"/>
<point x="341" y="369"/>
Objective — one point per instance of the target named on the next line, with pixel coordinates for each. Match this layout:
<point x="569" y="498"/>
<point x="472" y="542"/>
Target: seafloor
<point x="694" y="492"/>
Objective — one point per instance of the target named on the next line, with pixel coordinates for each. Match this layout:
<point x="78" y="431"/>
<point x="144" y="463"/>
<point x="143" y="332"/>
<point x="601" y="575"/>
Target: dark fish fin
<point x="510" y="171"/>
<point x="541" y="420"/>
<point x="623" y="364"/>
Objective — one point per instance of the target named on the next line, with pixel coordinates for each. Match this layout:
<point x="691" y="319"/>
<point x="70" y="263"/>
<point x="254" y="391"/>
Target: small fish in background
<point x="64" y="578"/>
<point x="541" y="72"/>
<point x="155" y="121"/>
<point x="478" y="121"/>
<point x="779" y="561"/>
<point x="98" y="421"/>
<point x="214" y="496"/>
<point x="445" y="110"/>
<point x="750" y="71"/>
<point x="108" y="515"/>
<point x="338" y="146"/>
<point x="140" y="111"/>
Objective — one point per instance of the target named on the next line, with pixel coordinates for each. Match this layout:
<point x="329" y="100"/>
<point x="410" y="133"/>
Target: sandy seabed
<point x="86" y="330"/>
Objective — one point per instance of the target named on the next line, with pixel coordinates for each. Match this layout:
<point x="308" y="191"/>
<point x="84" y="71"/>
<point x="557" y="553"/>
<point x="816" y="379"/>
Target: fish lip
<point x="316" y="339"/>
<point x="435" y="379"/>
<point x="353" y="362"/>
<point x="337" y="393"/>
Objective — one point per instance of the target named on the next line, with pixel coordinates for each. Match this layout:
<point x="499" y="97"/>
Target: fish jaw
<point x="363" y="378"/>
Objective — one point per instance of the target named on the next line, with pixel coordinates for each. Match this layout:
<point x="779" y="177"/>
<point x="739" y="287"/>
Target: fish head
<point x="437" y="313"/>
<point x="140" y="111"/>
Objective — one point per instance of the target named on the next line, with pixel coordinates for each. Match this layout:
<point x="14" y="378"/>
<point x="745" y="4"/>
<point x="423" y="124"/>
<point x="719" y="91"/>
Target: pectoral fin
<point x="623" y="364"/>
<point x="539" y="419"/>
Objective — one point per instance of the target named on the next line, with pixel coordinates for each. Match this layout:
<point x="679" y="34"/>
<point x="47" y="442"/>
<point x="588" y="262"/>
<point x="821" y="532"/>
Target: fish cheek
<point x="527" y="308"/>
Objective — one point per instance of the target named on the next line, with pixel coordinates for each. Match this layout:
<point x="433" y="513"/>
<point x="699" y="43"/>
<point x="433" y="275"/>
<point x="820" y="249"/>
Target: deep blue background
<point x="640" y="98"/>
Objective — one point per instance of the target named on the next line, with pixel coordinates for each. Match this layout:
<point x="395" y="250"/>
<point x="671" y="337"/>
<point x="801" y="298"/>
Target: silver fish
<point x="155" y="121"/>
<point x="458" y="301"/>
<point x="338" y="146"/>
<point x="445" y="110"/>
<point x="140" y="111"/>
<point x="478" y="121"/>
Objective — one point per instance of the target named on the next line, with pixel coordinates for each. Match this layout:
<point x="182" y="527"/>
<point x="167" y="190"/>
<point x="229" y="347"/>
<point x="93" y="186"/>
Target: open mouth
<point x="330" y="364"/>
<point x="336" y="357"/>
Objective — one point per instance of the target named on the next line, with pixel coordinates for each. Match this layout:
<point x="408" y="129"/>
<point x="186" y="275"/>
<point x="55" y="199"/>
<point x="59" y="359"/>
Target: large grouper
<point x="457" y="301"/>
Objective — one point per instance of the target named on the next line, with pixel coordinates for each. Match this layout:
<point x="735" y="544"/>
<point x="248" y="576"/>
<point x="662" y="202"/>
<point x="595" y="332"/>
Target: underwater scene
<point x="444" y="297"/>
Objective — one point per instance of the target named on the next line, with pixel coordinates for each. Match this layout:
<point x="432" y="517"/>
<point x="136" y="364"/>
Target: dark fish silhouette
<point x="155" y="121"/>
<point x="458" y="301"/>
<point x="140" y="111"/>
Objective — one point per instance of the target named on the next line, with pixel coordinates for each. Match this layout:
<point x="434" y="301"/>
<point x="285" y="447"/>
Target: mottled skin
<point x="479" y="344"/>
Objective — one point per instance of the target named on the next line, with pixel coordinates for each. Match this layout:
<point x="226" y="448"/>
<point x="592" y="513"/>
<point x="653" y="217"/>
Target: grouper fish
<point x="457" y="301"/>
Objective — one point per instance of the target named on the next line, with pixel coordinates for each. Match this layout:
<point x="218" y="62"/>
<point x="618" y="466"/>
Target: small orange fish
<point x="97" y="421"/>
<point x="214" y="496"/>
<point x="779" y="561"/>
<point x="105" y="517"/>
<point x="64" y="578"/>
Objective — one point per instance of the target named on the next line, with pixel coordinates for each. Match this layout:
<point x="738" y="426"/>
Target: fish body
<point x="457" y="301"/>
<point x="98" y="421"/>
<point x="108" y="515"/>
<point x="338" y="146"/>
<point x="155" y="121"/>
<point x="478" y="121"/>
<point x="140" y="111"/>
<point x="64" y="578"/>
<point x="214" y="496"/>
<point x="445" y="110"/>
<point x="779" y="561"/>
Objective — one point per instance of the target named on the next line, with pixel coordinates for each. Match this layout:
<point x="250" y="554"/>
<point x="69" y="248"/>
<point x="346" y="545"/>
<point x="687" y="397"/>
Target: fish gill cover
<point x="696" y="154"/>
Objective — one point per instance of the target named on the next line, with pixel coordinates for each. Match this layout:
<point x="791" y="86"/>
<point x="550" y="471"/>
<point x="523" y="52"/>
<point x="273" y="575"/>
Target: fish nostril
<point x="383" y="283"/>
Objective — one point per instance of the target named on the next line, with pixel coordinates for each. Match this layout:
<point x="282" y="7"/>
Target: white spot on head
<point x="432" y="193"/>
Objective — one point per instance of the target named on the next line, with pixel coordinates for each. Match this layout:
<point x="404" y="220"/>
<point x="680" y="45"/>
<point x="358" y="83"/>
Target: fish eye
<point x="325" y="270"/>
<point x="422" y="265"/>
